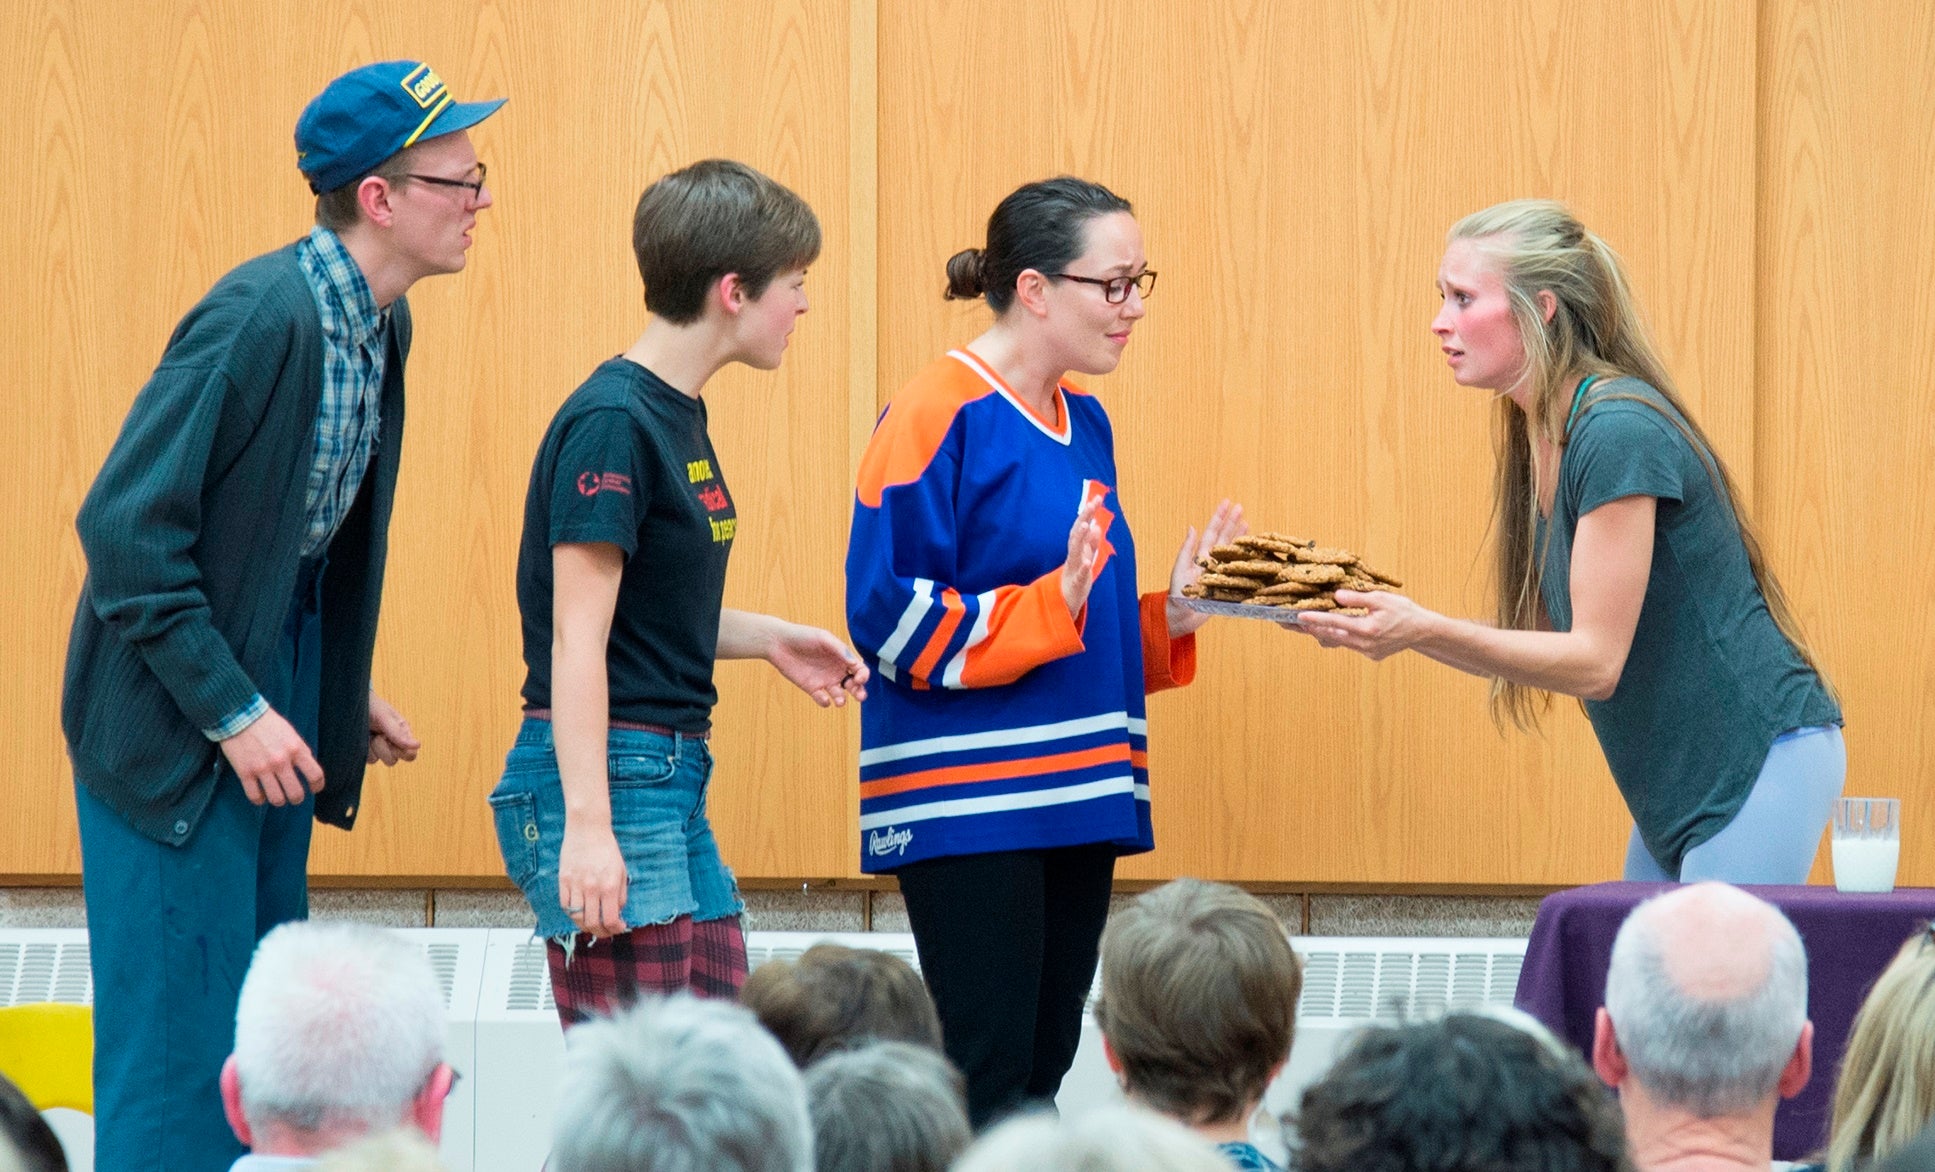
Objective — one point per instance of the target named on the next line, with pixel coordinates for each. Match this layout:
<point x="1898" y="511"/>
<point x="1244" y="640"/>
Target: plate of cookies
<point x="1275" y="576"/>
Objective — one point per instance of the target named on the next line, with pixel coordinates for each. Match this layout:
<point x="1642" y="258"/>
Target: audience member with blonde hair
<point x="1198" y="1008"/>
<point x="1885" y="1096"/>
<point x="834" y="997"/>
<point x="886" y="1107"/>
<point x="1111" y="1139"/>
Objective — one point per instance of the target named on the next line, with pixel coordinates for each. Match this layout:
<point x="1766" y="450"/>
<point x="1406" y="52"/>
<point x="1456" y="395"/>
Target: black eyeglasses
<point x="1115" y="290"/>
<point x="476" y="185"/>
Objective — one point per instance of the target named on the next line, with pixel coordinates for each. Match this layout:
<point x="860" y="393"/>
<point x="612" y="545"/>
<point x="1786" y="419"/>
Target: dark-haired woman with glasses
<point x="991" y="584"/>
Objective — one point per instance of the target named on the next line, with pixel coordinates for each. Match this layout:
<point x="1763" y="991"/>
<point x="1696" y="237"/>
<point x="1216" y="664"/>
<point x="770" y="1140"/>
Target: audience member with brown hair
<point x="1464" y="1093"/>
<point x="886" y="1107"/>
<point x="834" y="997"/>
<point x="1198" y="1007"/>
<point x="1885" y="1096"/>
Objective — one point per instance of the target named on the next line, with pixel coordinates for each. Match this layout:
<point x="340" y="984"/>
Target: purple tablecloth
<point x="1849" y="939"/>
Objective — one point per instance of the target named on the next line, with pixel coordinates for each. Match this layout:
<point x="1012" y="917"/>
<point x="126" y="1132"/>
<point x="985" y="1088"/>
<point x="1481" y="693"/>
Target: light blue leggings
<point x="1774" y="836"/>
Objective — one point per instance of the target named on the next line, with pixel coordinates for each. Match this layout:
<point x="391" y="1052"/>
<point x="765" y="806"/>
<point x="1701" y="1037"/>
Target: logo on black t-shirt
<point x="593" y="483"/>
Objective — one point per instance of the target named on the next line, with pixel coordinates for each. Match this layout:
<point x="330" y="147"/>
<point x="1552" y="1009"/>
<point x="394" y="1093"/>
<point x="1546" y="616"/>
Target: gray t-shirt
<point x="1710" y="680"/>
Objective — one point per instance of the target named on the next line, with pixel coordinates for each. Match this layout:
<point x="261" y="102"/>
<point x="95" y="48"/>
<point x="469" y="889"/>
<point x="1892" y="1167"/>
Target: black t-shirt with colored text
<point x="627" y="461"/>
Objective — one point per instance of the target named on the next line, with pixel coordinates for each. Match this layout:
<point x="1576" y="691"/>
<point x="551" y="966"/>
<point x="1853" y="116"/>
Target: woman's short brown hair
<point x="1199" y="999"/>
<point x="834" y="998"/>
<point x="712" y="218"/>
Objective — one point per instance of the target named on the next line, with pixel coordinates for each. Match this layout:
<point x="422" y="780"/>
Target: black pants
<point x="1007" y="943"/>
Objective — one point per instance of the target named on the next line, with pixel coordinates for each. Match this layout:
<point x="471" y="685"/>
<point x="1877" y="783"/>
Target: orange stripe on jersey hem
<point x="996" y="770"/>
<point x="930" y="656"/>
<point x="1139" y="760"/>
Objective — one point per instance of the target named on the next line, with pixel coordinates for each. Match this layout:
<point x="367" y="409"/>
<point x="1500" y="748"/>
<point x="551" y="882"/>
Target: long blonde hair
<point x="1595" y="329"/>
<point x="1885" y="1094"/>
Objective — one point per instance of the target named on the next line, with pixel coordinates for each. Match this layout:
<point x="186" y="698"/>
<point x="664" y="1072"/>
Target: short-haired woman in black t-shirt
<point x="1627" y="574"/>
<point x="620" y="580"/>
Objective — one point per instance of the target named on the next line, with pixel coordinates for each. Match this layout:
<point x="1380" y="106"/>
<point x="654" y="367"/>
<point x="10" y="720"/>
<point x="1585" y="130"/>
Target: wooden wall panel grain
<point x="1845" y="366"/>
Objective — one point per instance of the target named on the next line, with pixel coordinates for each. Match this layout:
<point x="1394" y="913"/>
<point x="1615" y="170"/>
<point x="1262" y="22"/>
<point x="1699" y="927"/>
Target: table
<point x="1849" y="940"/>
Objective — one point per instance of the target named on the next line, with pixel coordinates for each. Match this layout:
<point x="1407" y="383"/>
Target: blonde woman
<point x="1627" y="573"/>
<point x="1885" y="1095"/>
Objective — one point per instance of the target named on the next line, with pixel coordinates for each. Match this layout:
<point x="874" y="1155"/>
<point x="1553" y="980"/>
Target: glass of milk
<point x="1866" y="843"/>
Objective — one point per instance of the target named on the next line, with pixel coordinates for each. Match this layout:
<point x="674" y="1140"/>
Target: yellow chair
<point x="47" y="1050"/>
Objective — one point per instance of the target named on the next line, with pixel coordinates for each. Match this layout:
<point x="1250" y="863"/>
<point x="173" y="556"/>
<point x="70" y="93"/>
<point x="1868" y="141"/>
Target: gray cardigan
<point x="193" y="535"/>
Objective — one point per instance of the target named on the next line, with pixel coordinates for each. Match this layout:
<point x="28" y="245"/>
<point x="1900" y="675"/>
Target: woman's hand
<point x="1084" y="547"/>
<point x="1225" y="524"/>
<point x="1394" y="624"/>
<point x="591" y="880"/>
<point x="819" y="664"/>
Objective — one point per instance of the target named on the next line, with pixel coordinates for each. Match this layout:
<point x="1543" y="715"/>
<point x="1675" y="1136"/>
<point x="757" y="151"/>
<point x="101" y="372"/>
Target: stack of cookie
<point x="1272" y="569"/>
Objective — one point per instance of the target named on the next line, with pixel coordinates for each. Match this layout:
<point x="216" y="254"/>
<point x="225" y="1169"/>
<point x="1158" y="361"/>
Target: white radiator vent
<point x="48" y="965"/>
<point x="1407" y="980"/>
<point x="442" y="956"/>
<point x="530" y="987"/>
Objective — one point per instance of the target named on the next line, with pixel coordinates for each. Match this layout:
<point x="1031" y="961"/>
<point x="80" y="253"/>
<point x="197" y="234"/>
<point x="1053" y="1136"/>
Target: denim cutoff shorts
<point x="658" y="788"/>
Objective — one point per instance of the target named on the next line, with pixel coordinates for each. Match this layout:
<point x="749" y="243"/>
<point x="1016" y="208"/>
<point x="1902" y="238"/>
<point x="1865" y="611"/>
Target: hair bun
<point x="966" y="275"/>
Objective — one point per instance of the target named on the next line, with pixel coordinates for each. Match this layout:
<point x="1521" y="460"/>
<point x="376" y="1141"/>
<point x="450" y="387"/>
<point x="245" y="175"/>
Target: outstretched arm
<point x="814" y="660"/>
<point x="1612" y="557"/>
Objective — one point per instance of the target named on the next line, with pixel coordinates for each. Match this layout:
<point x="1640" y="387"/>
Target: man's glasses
<point x="475" y="186"/>
<point x="1115" y="290"/>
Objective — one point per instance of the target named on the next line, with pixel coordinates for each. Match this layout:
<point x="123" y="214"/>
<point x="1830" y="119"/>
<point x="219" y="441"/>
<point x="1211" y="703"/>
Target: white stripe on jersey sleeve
<point x="910" y="619"/>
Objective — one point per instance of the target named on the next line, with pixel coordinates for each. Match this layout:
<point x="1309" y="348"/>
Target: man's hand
<point x="390" y="737"/>
<point x="272" y="761"/>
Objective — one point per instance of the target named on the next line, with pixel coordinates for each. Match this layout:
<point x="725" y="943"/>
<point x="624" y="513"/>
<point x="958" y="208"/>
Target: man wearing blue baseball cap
<point x="218" y="691"/>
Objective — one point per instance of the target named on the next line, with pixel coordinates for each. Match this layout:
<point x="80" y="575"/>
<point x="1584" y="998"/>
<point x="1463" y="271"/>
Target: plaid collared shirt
<point x="355" y="347"/>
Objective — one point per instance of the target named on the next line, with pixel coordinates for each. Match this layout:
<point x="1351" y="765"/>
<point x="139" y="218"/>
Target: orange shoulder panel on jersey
<point x="915" y="423"/>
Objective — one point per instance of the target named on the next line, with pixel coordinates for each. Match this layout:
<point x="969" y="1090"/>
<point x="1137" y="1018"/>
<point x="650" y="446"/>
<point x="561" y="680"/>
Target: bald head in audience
<point x="1704" y="1028"/>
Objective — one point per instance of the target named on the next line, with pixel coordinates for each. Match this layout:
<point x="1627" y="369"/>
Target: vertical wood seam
<point x="863" y="304"/>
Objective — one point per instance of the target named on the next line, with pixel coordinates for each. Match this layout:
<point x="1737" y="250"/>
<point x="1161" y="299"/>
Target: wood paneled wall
<point x="1294" y="166"/>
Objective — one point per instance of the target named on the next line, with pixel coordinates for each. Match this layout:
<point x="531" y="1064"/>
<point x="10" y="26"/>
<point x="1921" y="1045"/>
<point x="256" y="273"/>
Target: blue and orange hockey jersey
<point x="994" y="721"/>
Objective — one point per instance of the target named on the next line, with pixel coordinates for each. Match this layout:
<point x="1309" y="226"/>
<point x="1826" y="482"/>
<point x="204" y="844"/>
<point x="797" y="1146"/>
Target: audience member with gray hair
<point x="886" y="1107"/>
<point x="1109" y="1139"/>
<point x="679" y="1084"/>
<point x="1705" y="1028"/>
<point x="339" y="1032"/>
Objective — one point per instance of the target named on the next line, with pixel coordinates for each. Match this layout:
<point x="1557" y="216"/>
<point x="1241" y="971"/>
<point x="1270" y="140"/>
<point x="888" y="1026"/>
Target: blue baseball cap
<point x="369" y="114"/>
